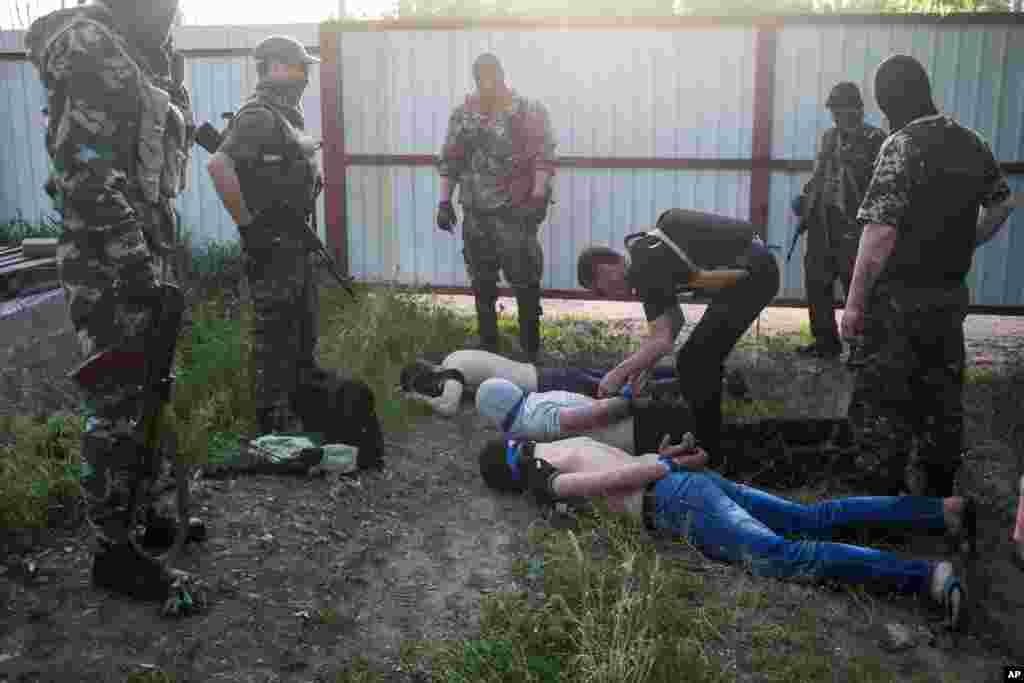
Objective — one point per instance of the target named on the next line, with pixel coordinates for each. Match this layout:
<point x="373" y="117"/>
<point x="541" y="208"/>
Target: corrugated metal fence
<point x="715" y="115"/>
<point x="219" y="75"/>
<point x="708" y="114"/>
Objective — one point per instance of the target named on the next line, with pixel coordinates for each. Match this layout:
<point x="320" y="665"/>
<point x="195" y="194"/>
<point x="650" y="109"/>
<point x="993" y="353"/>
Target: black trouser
<point x="831" y="253"/>
<point x="701" y="359"/>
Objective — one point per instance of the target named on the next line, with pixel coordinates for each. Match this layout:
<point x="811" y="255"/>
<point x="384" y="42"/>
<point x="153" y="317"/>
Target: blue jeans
<point x="735" y="523"/>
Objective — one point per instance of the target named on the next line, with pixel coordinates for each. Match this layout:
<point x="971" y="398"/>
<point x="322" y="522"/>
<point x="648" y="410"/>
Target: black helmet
<point x="283" y="49"/>
<point x="844" y="95"/>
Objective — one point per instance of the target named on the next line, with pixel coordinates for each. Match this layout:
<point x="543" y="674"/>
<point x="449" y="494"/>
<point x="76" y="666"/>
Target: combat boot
<point x="486" y="299"/>
<point x="161" y="531"/>
<point x="528" y="303"/>
<point x="120" y="569"/>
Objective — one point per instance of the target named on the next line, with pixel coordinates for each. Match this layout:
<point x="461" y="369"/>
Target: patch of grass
<point x="213" y="400"/>
<point x="611" y="611"/>
<point x="40" y="467"/>
<point x="358" y="671"/>
<point x="382" y="330"/>
<point x="980" y="375"/>
<point x="779" y="343"/>
<point x="17" y="229"/>
<point x="570" y="336"/>
<point x="756" y="408"/>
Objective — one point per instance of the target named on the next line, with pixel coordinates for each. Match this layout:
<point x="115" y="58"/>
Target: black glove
<point x="446" y="216"/>
<point x="537" y="210"/>
<point x="798" y="206"/>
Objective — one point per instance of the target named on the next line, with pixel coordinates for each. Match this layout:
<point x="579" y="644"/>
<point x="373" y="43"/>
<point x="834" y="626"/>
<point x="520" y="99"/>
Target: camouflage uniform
<point x="494" y="159"/>
<point x="906" y="407"/>
<point x="115" y="171"/>
<point x="842" y="172"/>
<point x="279" y="179"/>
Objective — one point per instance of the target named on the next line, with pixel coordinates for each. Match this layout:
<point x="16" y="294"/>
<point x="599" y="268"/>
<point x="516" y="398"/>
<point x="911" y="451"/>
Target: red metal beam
<point x="664" y="163"/>
<point x="761" y="144"/>
<point x="335" y="165"/>
<point x="673" y="23"/>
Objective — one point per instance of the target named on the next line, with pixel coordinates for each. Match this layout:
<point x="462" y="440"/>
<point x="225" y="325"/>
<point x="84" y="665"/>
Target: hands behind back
<point x="684" y="455"/>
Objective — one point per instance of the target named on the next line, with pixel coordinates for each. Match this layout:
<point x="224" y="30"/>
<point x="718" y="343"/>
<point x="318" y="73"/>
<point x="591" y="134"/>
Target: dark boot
<point x="486" y="297"/>
<point x="161" y="531"/>
<point x="528" y="303"/>
<point x="121" y="570"/>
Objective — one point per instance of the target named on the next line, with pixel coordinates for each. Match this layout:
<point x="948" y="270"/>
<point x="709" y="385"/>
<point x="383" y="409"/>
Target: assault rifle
<point x="153" y="363"/>
<point x="210" y="139"/>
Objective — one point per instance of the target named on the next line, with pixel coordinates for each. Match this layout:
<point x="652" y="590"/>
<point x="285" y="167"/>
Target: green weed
<point x="17" y="229"/>
<point x="384" y="329"/>
<point x="39" y="467"/>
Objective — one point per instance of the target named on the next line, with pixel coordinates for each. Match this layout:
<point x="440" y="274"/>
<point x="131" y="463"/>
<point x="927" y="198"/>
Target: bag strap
<point x="658" y="234"/>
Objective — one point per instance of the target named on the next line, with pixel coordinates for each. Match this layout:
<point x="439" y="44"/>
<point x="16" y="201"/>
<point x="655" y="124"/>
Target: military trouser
<point x="907" y="409"/>
<point x="284" y="292"/>
<point x="107" y="264"/>
<point x="831" y="254"/>
<point x="505" y="241"/>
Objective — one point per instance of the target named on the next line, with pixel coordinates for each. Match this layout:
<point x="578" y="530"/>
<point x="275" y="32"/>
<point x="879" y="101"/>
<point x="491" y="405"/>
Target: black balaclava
<point x="147" y="22"/>
<point x="285" y="96"/>
<point x="903" y="91"/>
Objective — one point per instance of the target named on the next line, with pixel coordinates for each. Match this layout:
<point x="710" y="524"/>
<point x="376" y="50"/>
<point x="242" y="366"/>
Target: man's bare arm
<point x="447" y="404"/>
<point x="597" y="415"/>
<point x="225" y="180"/>
<point x="660" y="341"/>
<point x="876" y="245"/>
<point x="628" y="477"/>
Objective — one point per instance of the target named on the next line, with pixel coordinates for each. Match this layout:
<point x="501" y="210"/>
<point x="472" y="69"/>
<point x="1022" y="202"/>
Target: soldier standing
<point x="500" y="152"/>
<point x="266" y="175"/>
<point x="828" y="210"/>
<point x="118" y="137"/>
<point x="937" y="193"/>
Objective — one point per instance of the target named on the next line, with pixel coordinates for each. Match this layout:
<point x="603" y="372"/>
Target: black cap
<point x="283" y="49"/>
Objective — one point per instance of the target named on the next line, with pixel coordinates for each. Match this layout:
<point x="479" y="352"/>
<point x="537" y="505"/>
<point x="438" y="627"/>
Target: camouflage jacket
<point x="930" y="179"/>
<point x="842" y="170"/>
<point x="117" y="132"/>
<point x="494" y="158"/>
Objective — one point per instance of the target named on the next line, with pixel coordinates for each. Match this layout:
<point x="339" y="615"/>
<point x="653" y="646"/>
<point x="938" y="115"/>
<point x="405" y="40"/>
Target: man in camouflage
<point x="267" y="176"/>
<point x="118" y="137"/>
<point x="937" y="194"/>
<point x="828" y="209"/>
<point x="500" y="152"/>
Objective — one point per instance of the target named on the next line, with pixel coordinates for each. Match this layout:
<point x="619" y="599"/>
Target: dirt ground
<point x="309" y="573"/>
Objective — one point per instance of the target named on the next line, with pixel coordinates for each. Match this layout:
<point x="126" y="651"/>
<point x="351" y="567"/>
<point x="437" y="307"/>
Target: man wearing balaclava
<point x="118" y="137"/>
<point x="937" y="193"/>
<point x="500" y="153"/>
<point x="267" y="176"/>
<point x="828" y="208"/>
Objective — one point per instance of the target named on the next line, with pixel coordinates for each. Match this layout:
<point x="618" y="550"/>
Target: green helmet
<point x="283" y="49"/>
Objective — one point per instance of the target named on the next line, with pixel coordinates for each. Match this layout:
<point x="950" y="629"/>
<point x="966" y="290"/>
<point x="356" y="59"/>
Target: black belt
<point x="649" y="507"/>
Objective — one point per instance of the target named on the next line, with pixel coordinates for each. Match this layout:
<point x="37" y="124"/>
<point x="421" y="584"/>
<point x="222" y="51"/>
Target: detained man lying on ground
<point x="627" y="422"/>
<point x="441" y="387"/>
<point x="670" y="491"/>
